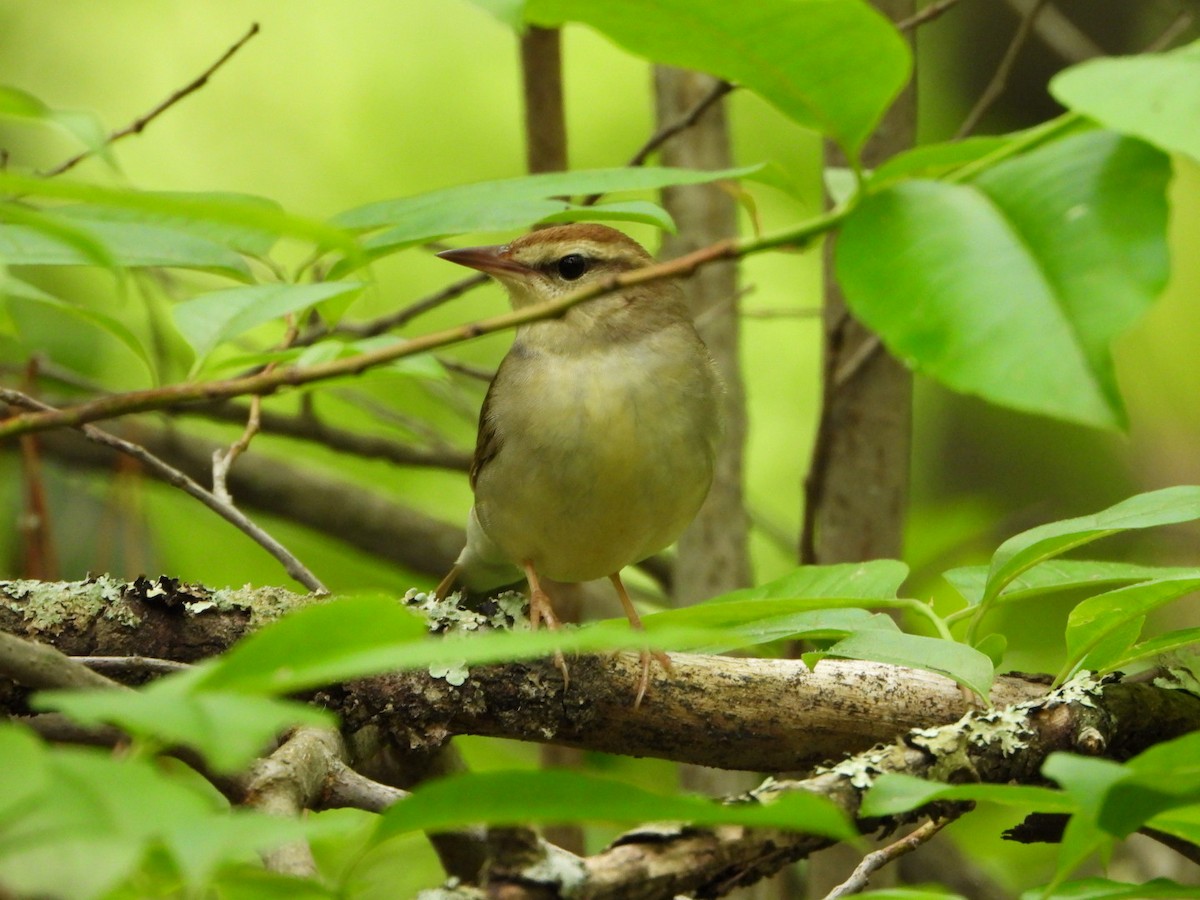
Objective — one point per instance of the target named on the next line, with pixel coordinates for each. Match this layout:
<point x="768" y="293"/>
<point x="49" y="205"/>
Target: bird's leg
<point x="446" y="583"/>
<point x="540" y="608"/>
<point x="635" y="621"/>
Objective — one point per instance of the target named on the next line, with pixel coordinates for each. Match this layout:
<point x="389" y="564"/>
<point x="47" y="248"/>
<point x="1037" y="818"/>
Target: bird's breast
<point x="603" y="457"/>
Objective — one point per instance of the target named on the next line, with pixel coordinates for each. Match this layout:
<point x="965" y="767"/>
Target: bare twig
<point x="1178" y="26"/>
<point x="269" y="382"/>
<point x="174" y="477"/>
<point x="138" y="124"/>
<point x="345" y="787"/>
<point x="999" y="80"/>
<point x="928" y="14"/>
<point x="287" y="782"/>
<point x="131" y="665"/>
<point x="1059" y="33"/>
<point x="873" y="862"/>
<point x="684" y="122"/>
<point x="310" y="427"/>
<point x="224" y="459"/>
<point x="40" y="666"/>
<point x="668" y="131"/>
<point x="397" y="319"/>
<point x="799" y="312"/>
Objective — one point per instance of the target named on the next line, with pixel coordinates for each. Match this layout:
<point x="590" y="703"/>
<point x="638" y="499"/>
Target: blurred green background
<point x="331" y="107"/>
<point x="335" y="105"/>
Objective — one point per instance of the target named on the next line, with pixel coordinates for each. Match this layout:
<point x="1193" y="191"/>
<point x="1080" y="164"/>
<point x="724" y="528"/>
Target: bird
<point x="598" y="434"/>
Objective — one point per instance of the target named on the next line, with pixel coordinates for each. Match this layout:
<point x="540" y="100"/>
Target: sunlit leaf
<point x="831" y="65"/>
<point x="562" y="796"/>
<point x="895" y="793"/>
<point x="1023" y="551"/>
<point x="228" y="729"/>
<point x="963" y="663"/>
<point x="1152" y="95"/>
<point x="218" y="316"/>
<point x="1096" y="617"/>
<point x="1013" y="286"/>
<point x="1059" y="575"/>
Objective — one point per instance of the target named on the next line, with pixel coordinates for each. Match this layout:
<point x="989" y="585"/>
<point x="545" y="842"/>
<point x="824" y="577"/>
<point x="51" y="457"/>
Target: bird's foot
<point x="644" y="682"/>
<point x="540" y="609"/>
<point x="446" y="584"/>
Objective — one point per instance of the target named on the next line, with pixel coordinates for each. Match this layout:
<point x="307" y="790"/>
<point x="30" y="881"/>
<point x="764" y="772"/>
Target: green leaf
<point x="562" y="796"/>
<point x="507" y="12"/>
<point x="878" y="579"/>
<point x="238" y="210"/>
<point x="83" y="126"/>
<point x="1021" y="552"/>
<point x="228" y="729"/>
<point x="1153" y="96"/>
<point x="219" y="316"/>
<point x="1058" y="575"/>
<point x="895" y="793"/>
<point x="501" y="205"/>
<point x="964" y="664"/>
<point x="1086" y="781"/>
<point x="25" y="771"/>
<point x="106" y="323"/>
<point x="1097" y="617"/>
<point x="20" y="222"/>
<point x="125" y="243"/>
<point x="630" y="211"/>
<point x="831" y="65"/>
<point x="360" y="636"/>
<point x="244" y="237"/>
<point x="1013" y="287"/>
<point x="1171" y="642"/>
<point x="1105" y="889"/>
<point x="751" y="622"/>
<point x="91" y="823"/>
<point x="1159" y="779"/>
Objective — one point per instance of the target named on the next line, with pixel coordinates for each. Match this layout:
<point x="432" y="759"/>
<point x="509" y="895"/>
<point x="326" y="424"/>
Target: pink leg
<point x="540" y="608"/>
<point x="635" y="622"/>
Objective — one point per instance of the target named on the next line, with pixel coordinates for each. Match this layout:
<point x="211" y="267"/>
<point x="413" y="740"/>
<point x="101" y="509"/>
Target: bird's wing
<point x="487" y="442"/>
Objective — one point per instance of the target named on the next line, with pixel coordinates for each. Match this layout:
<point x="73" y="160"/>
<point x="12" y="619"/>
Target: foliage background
<point x="328" y="109"/>
<point x="334" y="106"/>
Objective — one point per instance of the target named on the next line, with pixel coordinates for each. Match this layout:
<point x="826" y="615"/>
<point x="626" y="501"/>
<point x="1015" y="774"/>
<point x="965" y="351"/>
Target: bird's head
<point x="552" y="262"/>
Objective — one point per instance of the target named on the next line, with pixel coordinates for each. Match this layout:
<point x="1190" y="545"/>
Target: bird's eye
<point x="572" y="266"/>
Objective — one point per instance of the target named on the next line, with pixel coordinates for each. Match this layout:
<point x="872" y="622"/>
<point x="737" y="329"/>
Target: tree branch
<point x="175" y="478"/>
<point x="139" y="124"/>
<point x="269" y="382"/>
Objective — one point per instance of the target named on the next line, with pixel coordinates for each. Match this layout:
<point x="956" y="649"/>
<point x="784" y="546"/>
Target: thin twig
<point x="397" y="319"/>
<point x="873" y="862"/>
<point x="131" y="665"/>
<point x="224" y="459"/>
<point x="668" y="131"/>
<point x="1178" y="26"/>
<point x="1059" y="33"/>
<point x="999" y="81"/>
<point x="928" y="14"/>
<point x="174" y="477"/>
<point x="138" y="124"/>
<point x="803" y="312"/>
<point x="308" y="426"/>
<point x="268" y="382"/>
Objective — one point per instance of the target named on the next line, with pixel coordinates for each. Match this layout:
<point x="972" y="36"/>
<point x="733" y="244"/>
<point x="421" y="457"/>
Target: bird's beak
<point x="492" y="260"/>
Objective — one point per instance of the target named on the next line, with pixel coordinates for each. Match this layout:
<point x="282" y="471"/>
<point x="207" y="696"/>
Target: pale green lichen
<point x="1179" y="678"/>
<point x="48" y="606"/>
<point x="450" y="617"/>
